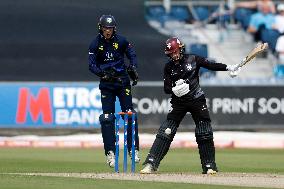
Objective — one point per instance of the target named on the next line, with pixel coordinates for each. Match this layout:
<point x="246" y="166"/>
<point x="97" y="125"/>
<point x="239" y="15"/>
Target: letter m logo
<point x="35" y="106"/>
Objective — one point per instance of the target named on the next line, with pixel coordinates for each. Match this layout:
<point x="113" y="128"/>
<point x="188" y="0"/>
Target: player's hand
<point x="134" y="82"/>
<point x="107" y="77"/>
<point x="235" y="73"/>
<point x="133" y="74"/>
<point x="181" y="89"/>
<point x="180" y="82"/>
<point x="233" y="67"/>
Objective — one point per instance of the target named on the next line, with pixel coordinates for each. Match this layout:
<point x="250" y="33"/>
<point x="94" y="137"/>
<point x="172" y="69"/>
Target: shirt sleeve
<point x="167" y="81"/>
<point x="93" y="64"/>
<point x="130" y="54"/>
<point x="210" y="65"/>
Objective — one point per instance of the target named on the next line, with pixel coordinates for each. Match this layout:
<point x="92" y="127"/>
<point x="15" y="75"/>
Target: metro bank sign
<point x="50" y="105"/>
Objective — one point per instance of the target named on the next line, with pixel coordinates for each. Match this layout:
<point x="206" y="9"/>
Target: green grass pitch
<point x="27" y="160"/>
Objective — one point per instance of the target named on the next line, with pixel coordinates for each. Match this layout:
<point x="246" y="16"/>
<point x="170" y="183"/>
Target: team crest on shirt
<point x="188" y="67"/>
<point x="101" y="48"/>
<point x="115" y="45"/>
<point x="109" y="56"/>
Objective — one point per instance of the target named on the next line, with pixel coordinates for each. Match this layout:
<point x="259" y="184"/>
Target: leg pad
<point x="162" y="143"/>
<point x="108" y="131"/>
<point x="204" y="139"/>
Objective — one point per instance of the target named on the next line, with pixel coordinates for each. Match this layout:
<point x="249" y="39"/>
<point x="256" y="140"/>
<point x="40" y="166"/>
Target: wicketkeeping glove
<point x="133" y="74"/>
<point x="107" y="77"/>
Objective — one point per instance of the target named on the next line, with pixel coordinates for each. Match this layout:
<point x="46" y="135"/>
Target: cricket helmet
<point x="107" y="21"/>
<point x="172" y="44"/>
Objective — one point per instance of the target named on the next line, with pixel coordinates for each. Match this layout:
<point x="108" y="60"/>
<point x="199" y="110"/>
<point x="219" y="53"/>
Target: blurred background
<point x="47" y="89"/>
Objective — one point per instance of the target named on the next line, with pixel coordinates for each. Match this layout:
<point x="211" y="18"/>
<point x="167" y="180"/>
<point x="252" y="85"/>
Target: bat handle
<point x="238" y="66"/>
<point x="241" y="63"/>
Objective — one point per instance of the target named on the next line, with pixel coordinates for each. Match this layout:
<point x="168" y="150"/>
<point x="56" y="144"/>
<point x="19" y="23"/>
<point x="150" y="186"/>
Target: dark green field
<point x="29" y="160"/>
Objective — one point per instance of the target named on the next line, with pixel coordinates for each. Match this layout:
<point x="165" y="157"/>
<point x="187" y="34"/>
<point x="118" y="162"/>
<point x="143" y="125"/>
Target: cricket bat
<point x="261" y="47"/>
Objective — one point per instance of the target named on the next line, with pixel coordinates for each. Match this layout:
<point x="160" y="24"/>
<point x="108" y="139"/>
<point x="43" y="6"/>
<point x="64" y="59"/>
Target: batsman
<point x="181" y="80"/>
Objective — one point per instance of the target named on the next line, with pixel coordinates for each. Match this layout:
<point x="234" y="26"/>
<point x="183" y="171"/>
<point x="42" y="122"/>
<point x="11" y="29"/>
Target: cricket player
<point x="181" y="80"/>
<point x="106" y="60"/>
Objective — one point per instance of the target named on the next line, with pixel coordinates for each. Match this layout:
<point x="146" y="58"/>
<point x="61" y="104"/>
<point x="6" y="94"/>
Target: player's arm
<point x="179" y="88"/>
<point x="131" y="55"/>
<point x="205" y="63"/>
<point x="167" y="82"/>
<point x="210" y="65"/>
<point x="93" y="65"/>
<point x="247" y="4"/>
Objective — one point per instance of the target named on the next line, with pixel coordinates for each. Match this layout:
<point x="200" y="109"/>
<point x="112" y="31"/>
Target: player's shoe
<point x="110" y="159"/>
<point x="211" y="172"/>
<point x="137" y="158"/>
<point x="148" y="169"/>
<point x="209" y="169"/>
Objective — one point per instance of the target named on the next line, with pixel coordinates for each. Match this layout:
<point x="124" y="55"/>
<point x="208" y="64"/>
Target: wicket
<point x="117" y="127"/>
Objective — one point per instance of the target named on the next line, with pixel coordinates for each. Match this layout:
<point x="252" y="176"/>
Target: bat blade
<point x="261" y="47"/>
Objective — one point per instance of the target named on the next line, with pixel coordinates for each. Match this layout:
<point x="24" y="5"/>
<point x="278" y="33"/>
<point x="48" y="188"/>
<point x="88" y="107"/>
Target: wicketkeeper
<point x="106" y="60"/>
<point x="181" y="80"/>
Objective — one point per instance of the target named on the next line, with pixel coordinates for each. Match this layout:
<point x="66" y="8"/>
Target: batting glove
<point x="233" y="67"/>
<point x="180" y="82"/>
<point x="181" y="89"/>
<point x="235" y="73"/>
